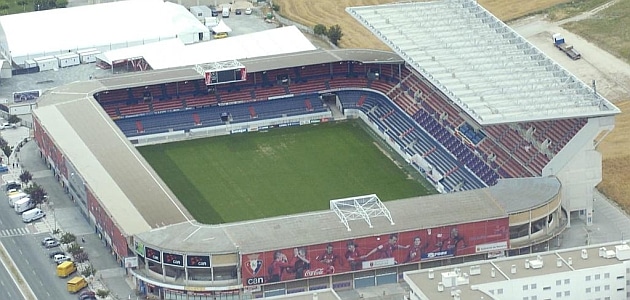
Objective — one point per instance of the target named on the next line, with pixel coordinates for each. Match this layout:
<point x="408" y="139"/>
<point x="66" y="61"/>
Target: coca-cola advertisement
<point x="374" y="252"/>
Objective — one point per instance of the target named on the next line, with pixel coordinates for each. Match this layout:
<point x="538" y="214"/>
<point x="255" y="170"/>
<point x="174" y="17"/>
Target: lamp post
<point x="52" y="208"/>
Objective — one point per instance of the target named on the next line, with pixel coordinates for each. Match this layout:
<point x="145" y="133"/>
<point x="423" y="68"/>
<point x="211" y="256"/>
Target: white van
<point x="23" y="205"/>
<point x="16" y="196"/>
<point x="32" y="215"/>
<point x="226" y="12"/>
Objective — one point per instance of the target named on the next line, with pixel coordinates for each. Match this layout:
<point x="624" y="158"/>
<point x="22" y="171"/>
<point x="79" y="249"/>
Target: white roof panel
<point x="282" y="40"/>
<point x="479" y="63"/>
<point x="162" y="48"/>
<point x="113" y="25"/>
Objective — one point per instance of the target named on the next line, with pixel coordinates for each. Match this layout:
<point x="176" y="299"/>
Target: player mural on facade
<point x="300" y="262"/>
<point x="330" y="259"/>
<point x="354" y="256"/>
<point x="351" y="255"/>
<point x="451" y="242"/>
<point x="277" y="268"/>
<point x="387" y="249"/>
<point x="416" y="250"/>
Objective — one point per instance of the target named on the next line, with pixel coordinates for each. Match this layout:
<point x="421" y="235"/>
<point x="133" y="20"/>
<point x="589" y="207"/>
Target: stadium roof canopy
<point x="165" y="55"/>
<point x="479" y="63"/>
<point x="128" y="23"/>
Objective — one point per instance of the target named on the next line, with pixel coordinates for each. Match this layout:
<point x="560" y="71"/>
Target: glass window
<point x="525" y="287"/>
<point x="558" y="282"/>
<point x="534" y="298"/>
<point x="597" y="276"/>
<point x="606" y="275"/>
<point x="588" y="278"/>
<point x="588" y="290"/>
<point x="500" y="291"/>
<point x="567" y="281"/>
<point x="607" y="288"/>
<point x="546" y="288"/>
<point x="533" y="286"/>
<point x="567" y="293"/>
<point x="597" y="288"/>
<point x="558" y="294"/>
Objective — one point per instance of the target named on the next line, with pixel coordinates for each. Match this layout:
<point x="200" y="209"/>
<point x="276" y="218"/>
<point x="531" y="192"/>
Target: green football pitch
<point x="279" y="172"/>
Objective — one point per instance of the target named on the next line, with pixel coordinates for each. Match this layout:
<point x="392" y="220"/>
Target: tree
<point x="4" y="7"/>
<point x="88" y="271"/>
<point x="36" y="192"/>
<point x="23" y="3"/>
<point x="7" y="150"/>
<point x="319" y="29"/>
<point x="74" y="248"/>
<point x="68" y="238"/>
<point x="102" y="293"/>
<point x="26" y="176"/>
<point x="61" y="3"/>
<point x="80" y="257"/>
<point x="275" y="7"/>
<point x="13" y="119"/>
<point x="334" y="34"/>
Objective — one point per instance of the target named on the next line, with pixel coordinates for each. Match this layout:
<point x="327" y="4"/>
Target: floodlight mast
<point x="360" y="208"/>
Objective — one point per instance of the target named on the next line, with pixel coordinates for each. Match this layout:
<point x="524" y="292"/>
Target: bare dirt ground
<point x="611" y="75"/>
<point x="612" y="78"/>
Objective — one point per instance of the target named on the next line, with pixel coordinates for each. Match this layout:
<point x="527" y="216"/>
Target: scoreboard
<point x="225" y="76"/>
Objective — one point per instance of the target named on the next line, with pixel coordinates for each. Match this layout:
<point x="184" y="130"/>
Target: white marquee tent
<point x="221" y="27"/>
<point x="164" y="55"/>
<point x="104" y="26"/>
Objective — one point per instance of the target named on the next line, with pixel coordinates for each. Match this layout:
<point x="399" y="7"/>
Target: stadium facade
<point x="513" y="156"/>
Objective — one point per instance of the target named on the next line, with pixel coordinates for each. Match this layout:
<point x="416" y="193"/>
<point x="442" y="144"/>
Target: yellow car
<point x="220" y="35"/>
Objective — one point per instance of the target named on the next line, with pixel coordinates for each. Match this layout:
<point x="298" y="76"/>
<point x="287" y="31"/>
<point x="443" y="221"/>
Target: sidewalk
<point x="66" y="216"/>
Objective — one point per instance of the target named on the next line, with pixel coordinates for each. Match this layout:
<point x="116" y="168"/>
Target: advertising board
<point x="374" y="252"/>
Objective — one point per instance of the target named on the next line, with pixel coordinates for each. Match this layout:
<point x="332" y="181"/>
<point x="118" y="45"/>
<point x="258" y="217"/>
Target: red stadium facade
<point x="374" y="252"/>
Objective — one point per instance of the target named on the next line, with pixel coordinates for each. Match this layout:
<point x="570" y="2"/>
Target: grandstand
<point x="511" y="172"/>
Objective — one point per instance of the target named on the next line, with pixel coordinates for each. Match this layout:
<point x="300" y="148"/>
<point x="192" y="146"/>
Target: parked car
<point x="12" y="185"/>
<point x="238" y="11"/>
<point x="47" y="239"/>
<point x="86" y="295"/>
<point x="248" y="11"/>
<point x="59" y="258"/>
<point x="220" y="35"/>
<point x="6" y="125"/>
<point x="55" y="252"/>
<point x="51" y="244"/>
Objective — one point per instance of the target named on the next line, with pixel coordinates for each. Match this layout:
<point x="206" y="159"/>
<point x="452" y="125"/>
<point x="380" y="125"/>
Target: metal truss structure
<point x="360" y="208"/>
<point x="218" y="66"/>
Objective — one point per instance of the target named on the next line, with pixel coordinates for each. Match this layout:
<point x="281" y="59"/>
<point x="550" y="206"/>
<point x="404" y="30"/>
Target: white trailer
<point x="68" y="60"/>
<point x="29" y="63"/>
<point x="88" y="57"/>
<point x="201" y="12"/>
<point x="47" y="63"/>
<point x="23" y="205"/>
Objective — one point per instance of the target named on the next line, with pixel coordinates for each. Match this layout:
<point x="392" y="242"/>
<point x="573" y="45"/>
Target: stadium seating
<point x="415" y="115"/>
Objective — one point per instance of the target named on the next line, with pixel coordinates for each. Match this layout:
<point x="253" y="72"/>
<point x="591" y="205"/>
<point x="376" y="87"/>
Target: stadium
<point x="503" y="133"/>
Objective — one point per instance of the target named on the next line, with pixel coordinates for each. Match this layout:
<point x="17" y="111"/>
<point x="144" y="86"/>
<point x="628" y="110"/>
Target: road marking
<point x="17" y="277"/>
<point x="14" y="232"/>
